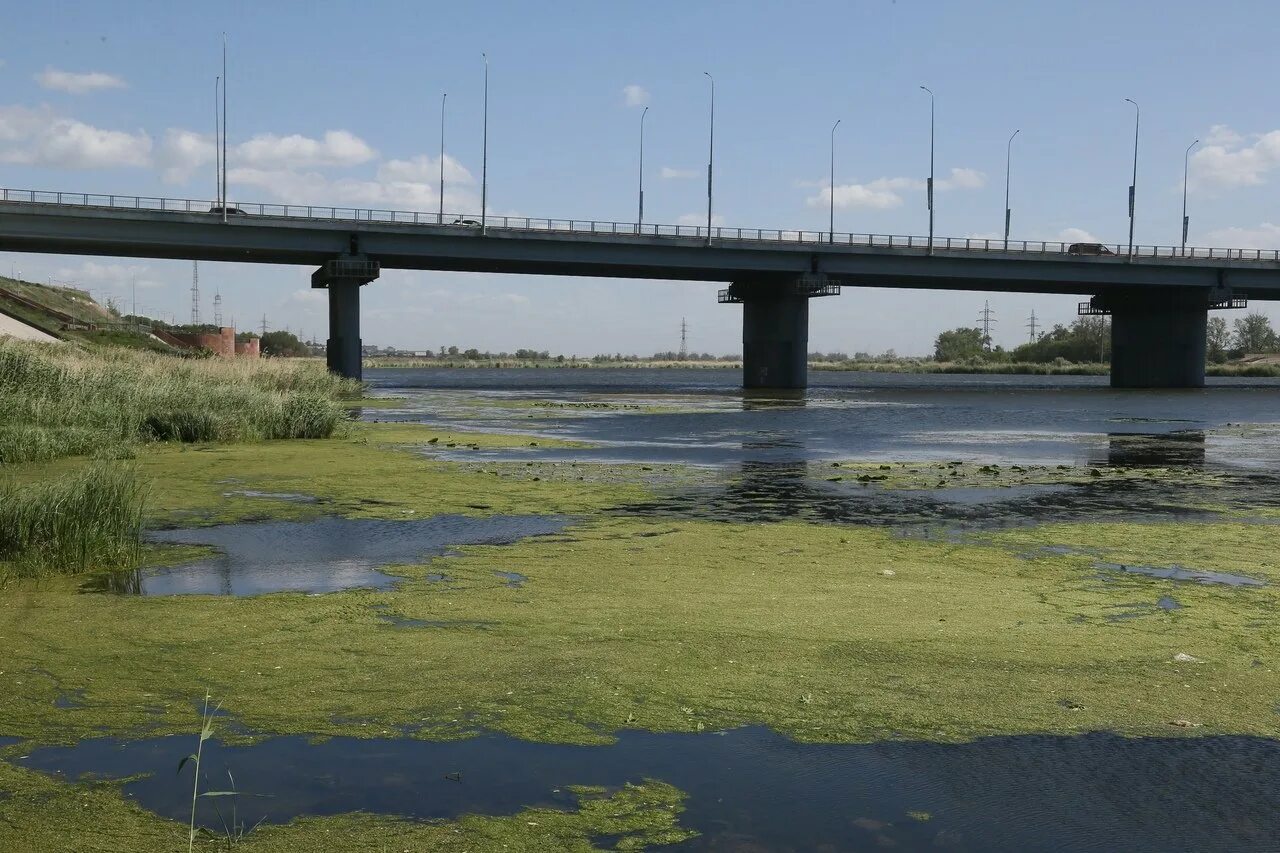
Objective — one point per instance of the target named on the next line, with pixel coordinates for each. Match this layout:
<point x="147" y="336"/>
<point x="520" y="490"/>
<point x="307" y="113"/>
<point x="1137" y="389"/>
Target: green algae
<point x="39" y="813"/>
<point x="378" y="472"/>
<point x="823" y="633"/>
<point x="969" y="475"/>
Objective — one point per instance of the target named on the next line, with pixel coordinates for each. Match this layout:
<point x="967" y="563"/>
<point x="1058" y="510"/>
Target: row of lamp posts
<point x="831" y="211"/>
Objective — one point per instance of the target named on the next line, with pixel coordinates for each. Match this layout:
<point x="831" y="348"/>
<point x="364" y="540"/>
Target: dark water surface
<point x="323" y="555"/>
<point x="706" y="418"/>
<point x="751" y="789"/>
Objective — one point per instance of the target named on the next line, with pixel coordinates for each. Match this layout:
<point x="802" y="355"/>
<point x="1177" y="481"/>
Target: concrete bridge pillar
<point x="1157" y="336"/>
<point x="775" y="328"/>
<point x="343" y="278"/>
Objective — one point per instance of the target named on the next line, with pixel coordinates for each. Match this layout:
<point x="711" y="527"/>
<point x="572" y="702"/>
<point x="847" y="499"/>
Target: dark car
<point x="1088" y="249"/>
<point x="228" y="210"/>
<point x="475" y="223"/>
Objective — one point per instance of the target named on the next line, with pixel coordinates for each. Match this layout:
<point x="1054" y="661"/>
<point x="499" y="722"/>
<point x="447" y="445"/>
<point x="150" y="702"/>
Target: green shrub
<point x="88" y="520"/>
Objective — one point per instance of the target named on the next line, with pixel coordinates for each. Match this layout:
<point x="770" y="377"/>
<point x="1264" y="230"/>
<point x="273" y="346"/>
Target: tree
<point x="281" y="343"/>
<point x="1084" y="340"/>
<point x="958" y="344"/>
<point x="1254" y="333"/>
<point x="1218" y="338"/>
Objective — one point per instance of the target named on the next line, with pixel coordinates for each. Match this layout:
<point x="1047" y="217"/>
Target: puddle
<point x="291" y="497"/>
<point x="751" y="789"/>
<point x="70" y="699"/>
<point x="1168" y="603"/>
<point x="515" y="580"/>
<point x="320" y="556"/>
<point x="8" y="741"/>
<point x="398" y="621"/>
<point x="1179" y="573"/>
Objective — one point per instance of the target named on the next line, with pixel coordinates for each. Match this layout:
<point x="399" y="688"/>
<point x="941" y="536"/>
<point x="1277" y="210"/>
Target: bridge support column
<point x="343" y="278"/>
<point x="1157" y="336"/>
<point x="775" y="329"/>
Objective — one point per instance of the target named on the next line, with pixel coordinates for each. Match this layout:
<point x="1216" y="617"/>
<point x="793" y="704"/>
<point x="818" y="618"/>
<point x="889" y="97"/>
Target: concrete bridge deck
<point x="1157" y="297"/>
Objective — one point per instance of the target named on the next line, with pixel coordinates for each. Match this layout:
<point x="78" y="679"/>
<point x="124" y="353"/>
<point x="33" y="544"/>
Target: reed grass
<point x="90" y="519"/>
<point x="57" y="400"/>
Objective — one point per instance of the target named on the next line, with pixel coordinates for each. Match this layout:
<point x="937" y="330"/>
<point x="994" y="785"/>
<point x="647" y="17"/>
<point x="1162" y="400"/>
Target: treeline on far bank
<point x="1088" y="340"/>
<point x="61" y="400"/>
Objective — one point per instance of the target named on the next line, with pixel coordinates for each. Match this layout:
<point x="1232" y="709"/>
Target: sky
<point x="339" y="103"/>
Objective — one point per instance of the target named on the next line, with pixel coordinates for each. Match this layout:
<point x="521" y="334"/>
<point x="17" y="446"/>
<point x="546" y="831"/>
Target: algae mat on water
<point x="39" y="814"/>
<point x="824" y="633"/>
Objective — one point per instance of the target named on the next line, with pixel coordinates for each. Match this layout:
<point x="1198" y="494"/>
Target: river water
<point x="702" y="416"/>
<point x="766" y="457"/>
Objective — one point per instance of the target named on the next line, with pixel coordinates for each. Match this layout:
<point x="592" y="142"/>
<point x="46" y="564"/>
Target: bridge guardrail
<point x="585" y="226"/>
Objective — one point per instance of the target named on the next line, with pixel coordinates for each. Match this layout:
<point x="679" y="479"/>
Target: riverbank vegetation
<point x="89" y="519"/>
<point x="61" y="400"/>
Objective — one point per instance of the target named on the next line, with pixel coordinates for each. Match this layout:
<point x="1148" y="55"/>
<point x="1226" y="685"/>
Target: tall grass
<point x="91" y="519"/>
<point x="57" y="400"/>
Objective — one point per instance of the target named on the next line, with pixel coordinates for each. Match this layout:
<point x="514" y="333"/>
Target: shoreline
<point x="1241" y="370"/>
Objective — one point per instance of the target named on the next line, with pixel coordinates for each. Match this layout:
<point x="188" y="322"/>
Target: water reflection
<point x="751" y="789"/>
<point x="1182" y="449"/>
<point x="323" y="555"/>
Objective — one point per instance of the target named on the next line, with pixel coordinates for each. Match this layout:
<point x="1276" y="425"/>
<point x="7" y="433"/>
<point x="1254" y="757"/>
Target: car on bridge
<point x="228" y="210"/>
<point x="1088" y="249"/>
<point x="474" y="223"/>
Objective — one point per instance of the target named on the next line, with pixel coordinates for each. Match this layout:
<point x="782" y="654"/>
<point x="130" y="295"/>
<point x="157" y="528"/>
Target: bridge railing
<point x="719" y="234"/>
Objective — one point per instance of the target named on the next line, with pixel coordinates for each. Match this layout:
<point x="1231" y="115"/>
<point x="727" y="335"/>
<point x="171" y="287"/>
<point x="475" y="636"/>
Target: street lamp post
<point x="1186" y="223"/>
<point x="640" y="213"/>
<point x="440" y="216"/>
<point x="484" y="154"/>
<point x="929" y="186"/>
<point x="1008" y="161"/>
<point x="1133" y="187"/>
<point x="831" y="214"/>
<point x="224" y="129"/>
<point x="711" y="152"/>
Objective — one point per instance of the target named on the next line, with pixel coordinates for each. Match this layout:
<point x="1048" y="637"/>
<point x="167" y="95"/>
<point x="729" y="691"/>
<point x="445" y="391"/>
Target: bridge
<point x="1158" y="297"/>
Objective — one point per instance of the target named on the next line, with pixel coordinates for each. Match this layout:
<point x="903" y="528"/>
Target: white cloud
<point x="268" y="151"/>
<point x="1221" y="134"/>
<point x="115" y="276"/>
<point x="635" y="96"/>
<point x="1075" y="235"/>
<point x="963" y="179"/>
<point x="308" y="297"/>
<point x="182" y="152"/>
<point x="78" y="83"/>
<point x="40" y="137"/>
<point x="1230" y="160"/>
<point x="424" y="169"/>
<point x="884" y="193"/>
<point x="1265" y="236"/>
<point x="669" y="173"/>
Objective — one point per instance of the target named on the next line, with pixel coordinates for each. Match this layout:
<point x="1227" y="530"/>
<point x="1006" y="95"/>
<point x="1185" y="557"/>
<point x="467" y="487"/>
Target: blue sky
<point x="339" y="102"/>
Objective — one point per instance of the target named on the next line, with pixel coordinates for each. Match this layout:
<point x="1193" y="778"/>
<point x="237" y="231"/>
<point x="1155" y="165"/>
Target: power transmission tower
<point x="217" y="307"/>
<point x="684" y="340"/>
<point x="264" y="325"/>
<point x="986" y="318"/>
<point x="195" y="293"/>
<point x="1033" y="325"/>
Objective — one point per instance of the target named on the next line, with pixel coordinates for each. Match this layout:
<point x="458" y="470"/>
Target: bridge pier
<point x="343" y="278"/>
<point x="775" y="328"/>
<point x="1157" y="335"/>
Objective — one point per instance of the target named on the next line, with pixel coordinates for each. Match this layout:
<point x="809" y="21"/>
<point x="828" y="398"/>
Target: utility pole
<point x="440" y="216"/>
<point x="684" y="340"/>
<point x="1033" y="325"/>
<point x="985" y="318"/>
<point x="195" y="293"/>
